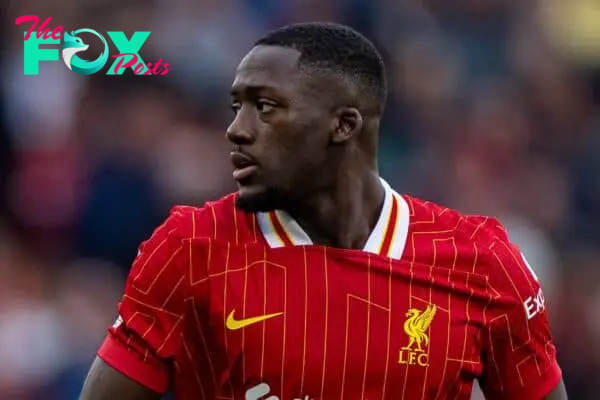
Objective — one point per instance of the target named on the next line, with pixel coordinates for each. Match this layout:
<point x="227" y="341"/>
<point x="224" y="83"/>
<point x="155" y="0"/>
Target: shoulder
<point x="474" y="244"/>
<point x="165" y="250"/>
<point x="430" y="217"/>
<point x="477" y="242"/>
<point x="218" y="220"/>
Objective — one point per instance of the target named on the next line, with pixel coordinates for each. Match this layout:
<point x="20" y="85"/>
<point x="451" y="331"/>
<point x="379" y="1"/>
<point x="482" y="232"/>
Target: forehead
<point x="271" y="67"/>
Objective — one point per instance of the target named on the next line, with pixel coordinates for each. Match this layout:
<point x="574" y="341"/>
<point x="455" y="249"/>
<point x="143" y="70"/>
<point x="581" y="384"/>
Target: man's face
<point x="280" y="131"/>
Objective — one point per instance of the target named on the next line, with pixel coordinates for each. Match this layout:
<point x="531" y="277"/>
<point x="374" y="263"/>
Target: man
<point x="316" y="280"/>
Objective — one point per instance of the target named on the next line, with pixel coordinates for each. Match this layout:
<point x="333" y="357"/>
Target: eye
<point x="235" y="106"/>
<point x="264" y="106"/>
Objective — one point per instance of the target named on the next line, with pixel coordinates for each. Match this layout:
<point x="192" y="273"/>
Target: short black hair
<point x="339" y="48"/>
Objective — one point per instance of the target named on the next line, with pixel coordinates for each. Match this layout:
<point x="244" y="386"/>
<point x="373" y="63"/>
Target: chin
<point x="253" y="198"/>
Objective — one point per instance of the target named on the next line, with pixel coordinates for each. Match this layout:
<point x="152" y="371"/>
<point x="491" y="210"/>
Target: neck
<point x="346" y="213"/>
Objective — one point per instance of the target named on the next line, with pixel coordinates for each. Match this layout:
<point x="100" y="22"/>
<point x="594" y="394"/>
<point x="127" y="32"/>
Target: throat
<point x="345" y="221"/>
<point x="351" y="239"/>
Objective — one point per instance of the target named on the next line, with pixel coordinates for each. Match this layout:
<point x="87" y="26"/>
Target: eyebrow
<point x="250" y="89"/>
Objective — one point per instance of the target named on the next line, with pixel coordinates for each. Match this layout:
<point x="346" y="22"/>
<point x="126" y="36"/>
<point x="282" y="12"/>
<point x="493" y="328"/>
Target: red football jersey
<point x="223" y="304"/>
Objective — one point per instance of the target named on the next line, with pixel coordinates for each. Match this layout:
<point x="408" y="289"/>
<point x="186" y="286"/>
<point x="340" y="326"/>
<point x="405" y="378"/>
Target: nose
<point x="240" y="130"/>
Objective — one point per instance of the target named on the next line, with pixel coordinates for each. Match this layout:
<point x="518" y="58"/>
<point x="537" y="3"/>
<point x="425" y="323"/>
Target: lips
<point x="243" y="164"/>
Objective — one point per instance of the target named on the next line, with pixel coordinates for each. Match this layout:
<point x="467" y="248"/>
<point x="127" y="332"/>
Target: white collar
<point x="387" y="239"/>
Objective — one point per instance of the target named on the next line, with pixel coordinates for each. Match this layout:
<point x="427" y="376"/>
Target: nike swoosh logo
<point x="234" y="324"/>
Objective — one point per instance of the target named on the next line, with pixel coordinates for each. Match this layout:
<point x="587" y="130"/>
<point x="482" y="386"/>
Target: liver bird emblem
<point x="416" y="327"/>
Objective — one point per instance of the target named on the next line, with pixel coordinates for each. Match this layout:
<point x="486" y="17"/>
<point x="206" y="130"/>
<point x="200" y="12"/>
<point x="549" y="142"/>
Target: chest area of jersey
<point x="314" y="323"/>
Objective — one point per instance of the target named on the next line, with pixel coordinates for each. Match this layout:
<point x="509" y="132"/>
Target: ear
<point x="348" y="123"/>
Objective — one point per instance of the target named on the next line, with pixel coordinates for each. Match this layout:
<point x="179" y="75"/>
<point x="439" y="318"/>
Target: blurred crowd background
<point x="494" y="108"/>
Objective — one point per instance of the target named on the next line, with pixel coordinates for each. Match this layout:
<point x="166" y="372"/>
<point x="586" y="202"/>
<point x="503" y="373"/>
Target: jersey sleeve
<point x="519" y="354"/>
<point x="146" y="336"/>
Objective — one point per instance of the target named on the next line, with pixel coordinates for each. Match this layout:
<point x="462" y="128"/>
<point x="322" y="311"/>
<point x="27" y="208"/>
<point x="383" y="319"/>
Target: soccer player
<point x="316" y="280"/>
